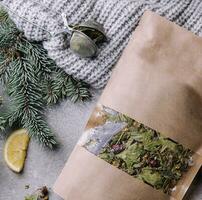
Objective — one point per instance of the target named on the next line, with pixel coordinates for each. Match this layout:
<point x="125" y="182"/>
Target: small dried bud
<point x="117" y="148"/>
<point x="153" y="163"/>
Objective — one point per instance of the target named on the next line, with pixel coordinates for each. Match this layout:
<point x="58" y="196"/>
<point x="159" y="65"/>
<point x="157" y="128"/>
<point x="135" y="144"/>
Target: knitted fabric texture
<point x="39" y="18"/>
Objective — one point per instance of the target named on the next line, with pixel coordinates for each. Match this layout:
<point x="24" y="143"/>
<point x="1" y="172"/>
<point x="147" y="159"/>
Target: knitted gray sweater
<point x="119" y="17"/>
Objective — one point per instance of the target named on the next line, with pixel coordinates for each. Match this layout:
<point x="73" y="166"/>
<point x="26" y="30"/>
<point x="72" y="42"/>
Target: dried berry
<point x="153" y="163"/>
<point x="117" y="148"/>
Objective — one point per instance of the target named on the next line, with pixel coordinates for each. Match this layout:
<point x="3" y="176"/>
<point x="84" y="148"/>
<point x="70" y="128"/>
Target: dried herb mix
<point x="138" y="150"/>
<point x="40" y="194"/>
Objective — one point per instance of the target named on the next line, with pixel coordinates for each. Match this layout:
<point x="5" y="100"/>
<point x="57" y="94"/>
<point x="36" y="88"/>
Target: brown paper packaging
<point x="157" y="81"/>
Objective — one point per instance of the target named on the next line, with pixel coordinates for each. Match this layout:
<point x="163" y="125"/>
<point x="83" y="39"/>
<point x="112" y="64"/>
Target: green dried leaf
<point x="151" y="177"/>
<point x="31" y="197"/>
<point x="132" y="155"/>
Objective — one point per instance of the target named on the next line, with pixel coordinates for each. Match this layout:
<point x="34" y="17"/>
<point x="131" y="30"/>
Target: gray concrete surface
<point x="42" y="166"/>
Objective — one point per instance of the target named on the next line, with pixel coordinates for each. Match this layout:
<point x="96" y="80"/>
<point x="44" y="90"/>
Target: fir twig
<point x="60" y="86"/>
<point x="32" y="80"/>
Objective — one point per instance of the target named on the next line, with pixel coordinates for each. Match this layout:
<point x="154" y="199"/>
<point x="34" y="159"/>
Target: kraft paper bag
<point x="158" y="83"/>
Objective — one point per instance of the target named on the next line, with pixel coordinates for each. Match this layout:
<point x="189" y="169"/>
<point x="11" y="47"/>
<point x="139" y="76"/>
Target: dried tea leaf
<point x="151" y="177"/>
<point x="167" y="144"/>
<point x="31" y="197"/>
<point x="40" y="194"/>
<point x="132" y="155"/>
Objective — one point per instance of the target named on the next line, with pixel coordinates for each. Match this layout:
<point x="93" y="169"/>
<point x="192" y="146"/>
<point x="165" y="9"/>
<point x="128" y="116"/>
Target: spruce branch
<point x="32" y="80"/>
<point x="27" y="96"/>
<point x="4" y="18"/>
<point x="60" y="86"/>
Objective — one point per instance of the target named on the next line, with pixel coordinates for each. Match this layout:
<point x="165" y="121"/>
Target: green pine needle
<point x="32" y="80"/>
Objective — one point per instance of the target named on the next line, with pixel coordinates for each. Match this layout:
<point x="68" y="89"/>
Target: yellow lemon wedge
<point x="15" y="150"/>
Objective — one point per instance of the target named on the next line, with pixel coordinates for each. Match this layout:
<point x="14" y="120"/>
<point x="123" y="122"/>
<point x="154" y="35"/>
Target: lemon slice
<point x="15" y="150"/>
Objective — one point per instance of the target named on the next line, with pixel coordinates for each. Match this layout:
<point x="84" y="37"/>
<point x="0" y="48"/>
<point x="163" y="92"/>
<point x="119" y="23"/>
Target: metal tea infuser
<point x="85" y="37"/>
